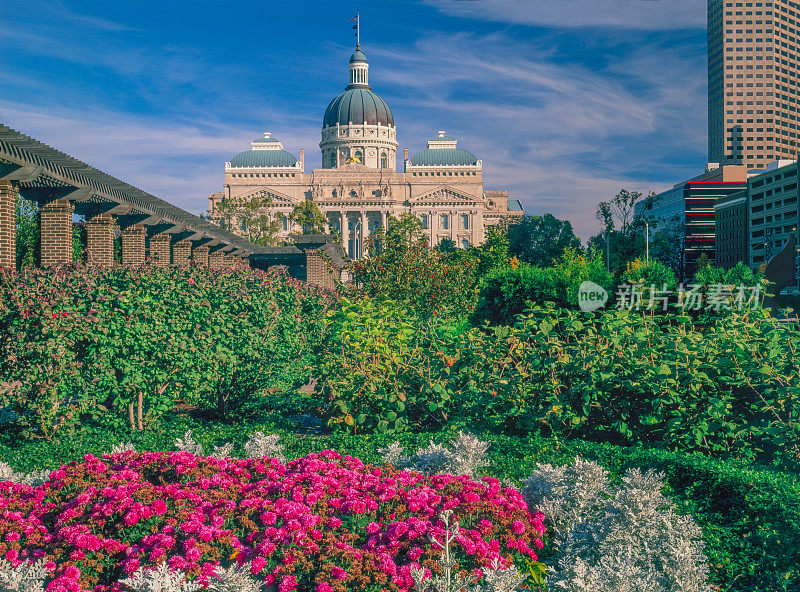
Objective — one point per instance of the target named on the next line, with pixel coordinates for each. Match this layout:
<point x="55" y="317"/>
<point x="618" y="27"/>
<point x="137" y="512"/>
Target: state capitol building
<point x="359" y="185"/>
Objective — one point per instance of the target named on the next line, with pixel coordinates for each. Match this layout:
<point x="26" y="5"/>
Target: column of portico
<point x="100" y="239"/>
<point x="453" y="229"/>
<point x="345" y="233"/>
<point x="160" y="249"/>
<point x="133" y="245"/>
<point x="181" y="251"/>
<point x="8" y="225"/>
<point x="433" y="220"/>
<point x="364" y="234"/>
<point x="55" y="231"/>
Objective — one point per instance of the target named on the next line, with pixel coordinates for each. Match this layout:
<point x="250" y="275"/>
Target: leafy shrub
<point x="377" y="369"/>
<point x="726" y="384"/>
<point x="77" y="343"/>
<point x="506" y="292"/>
<point x="404" y="268"/>
<point x="628" y="538"/>
<point x="319" y="522"/>
<point x="648" y="274"/>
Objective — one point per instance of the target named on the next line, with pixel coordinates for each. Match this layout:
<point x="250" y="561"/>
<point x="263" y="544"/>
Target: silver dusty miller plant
<point x="260" y="445"/>
<point x="616" y="539"/>
<point x="159" y="579"/>
<point x="465" y="456"/>
<point x="496" y="578"/>
<point x="26" y="577"/>
<point x="162" y="579"/>
<point x="34" y="478"/>
<point x="187" y="444"/>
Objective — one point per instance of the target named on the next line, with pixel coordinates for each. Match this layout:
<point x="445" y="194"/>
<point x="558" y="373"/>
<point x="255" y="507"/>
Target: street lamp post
<point x="608" y="249"/>
<point x="647" y="240"/>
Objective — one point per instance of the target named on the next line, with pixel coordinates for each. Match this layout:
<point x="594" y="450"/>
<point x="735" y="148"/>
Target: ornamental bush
<point x="323" y="522"/>
<point x="506" y="292"/>
<point x="80" y="343"/>
<point x="404" y="268"/>
<point x="627" y="538"/>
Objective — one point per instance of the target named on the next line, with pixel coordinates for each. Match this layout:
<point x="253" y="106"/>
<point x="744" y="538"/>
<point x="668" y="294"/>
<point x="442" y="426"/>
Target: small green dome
<point x="358" y="56"/>
<point x="264" y="158"/>
<point x="444" y="157"/>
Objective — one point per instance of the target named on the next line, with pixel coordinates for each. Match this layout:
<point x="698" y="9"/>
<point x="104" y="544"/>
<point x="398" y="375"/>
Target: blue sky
<point x="565" y="101"/>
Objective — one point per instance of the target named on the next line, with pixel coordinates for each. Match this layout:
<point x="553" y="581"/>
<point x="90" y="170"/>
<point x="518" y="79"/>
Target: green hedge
<point x="750" y="516"/>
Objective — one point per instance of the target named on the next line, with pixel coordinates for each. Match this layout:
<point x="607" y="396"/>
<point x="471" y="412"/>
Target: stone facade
<point x="359" y="187"/>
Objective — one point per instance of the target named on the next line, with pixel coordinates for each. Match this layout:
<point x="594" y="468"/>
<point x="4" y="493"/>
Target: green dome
<point x="358" y="105"/>
<point x="264" y="158"/>
<point x="358" y="56"/>
<point x="444" y="157"/>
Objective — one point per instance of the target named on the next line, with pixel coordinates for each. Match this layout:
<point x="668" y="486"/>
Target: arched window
<point x="358" y="157"/>
<point x="464" y="244"/>
<point x="384" y="161"/>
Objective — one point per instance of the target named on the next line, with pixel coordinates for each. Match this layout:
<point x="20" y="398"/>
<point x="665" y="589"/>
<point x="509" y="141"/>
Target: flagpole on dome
<point x="357" y="28"/>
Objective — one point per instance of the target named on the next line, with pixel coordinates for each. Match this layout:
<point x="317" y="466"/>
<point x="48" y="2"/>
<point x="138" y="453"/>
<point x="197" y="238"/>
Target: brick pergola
<point x="152" y="229"/>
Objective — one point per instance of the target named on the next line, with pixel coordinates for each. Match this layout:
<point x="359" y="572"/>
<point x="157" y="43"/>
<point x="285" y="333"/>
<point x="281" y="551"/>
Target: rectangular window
<point x="424" y="221"/>
<point x="445" y="222"/>
<point x="465" y="221"/>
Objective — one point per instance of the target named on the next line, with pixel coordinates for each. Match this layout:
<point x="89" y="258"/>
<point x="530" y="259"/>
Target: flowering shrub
<point x="405" y="268"/>
<point x="626" y="539"/>
<point x="323" y="522"/>
<point x="77" y="343"/>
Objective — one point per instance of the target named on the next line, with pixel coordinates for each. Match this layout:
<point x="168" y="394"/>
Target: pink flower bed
<point x="323" y="523"/>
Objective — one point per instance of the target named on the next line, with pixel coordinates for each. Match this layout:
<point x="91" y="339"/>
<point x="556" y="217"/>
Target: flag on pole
<point x="355" y="28"/>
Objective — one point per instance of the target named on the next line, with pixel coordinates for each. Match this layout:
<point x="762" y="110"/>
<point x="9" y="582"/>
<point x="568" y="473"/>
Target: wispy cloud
<point x="569" y="14"/>
<point x="559" y="121"/>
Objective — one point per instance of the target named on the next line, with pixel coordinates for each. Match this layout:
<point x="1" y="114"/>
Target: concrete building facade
<point x="359" y="185"/>
<point x="731" y="243"/>
<point x="688" y="211"/>
<point x="772" y="211"/>
<point x="753" y="81"/>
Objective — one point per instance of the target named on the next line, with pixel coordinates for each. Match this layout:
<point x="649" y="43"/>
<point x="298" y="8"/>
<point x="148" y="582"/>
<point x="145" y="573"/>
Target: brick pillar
<point x="215" y="259"/>
<point x="133" y="245"/>
<point x="8" y="226"/>
<point x="200" y="256"/>
<point x="181" y="252"/>
<point x="160" y="250"/>
<point x="100" y="240"/>
<point x="55" y="226"/>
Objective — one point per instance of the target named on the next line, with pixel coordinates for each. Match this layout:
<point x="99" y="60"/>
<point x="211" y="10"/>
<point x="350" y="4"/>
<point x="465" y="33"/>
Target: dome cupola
<point x="265" y="152"/>
<point x="358" y="125"/>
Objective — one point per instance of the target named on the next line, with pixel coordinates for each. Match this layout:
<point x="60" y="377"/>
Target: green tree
<point x="252" y="217"/>
<point x="408" y="270"/>
<point x="493" y="252"/>
<point x="27" y="233"/>
<point x="623" y="232"/>
<point x="308" y="215"/>
<point x="540" y="240"/>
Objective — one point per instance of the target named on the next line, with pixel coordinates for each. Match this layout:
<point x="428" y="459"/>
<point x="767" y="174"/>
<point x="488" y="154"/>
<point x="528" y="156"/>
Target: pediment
<point x="445" y="194"/>
<point x="278" y="198"/>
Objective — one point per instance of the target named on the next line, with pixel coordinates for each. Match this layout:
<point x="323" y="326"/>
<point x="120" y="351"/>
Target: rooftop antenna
<point x="357" y="29"/>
